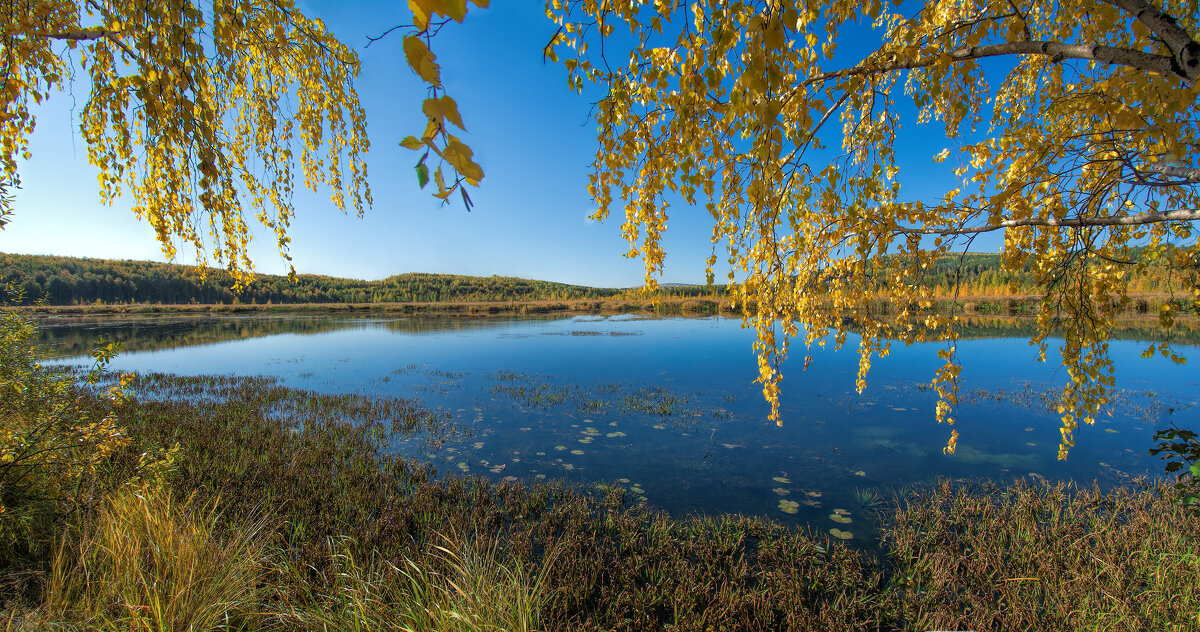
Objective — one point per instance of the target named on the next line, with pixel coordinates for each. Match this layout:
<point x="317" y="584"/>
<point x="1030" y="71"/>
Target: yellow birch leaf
<point x="443" y="108"/>
<point x="422" y="60"/>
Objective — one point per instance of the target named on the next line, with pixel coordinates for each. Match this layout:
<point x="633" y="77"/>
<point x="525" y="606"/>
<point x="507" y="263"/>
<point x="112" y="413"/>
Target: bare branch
<point x="1116" y="220"/>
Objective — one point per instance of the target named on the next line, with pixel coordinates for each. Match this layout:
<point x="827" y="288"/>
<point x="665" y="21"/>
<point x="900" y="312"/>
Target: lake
<point x="667" y="409"/>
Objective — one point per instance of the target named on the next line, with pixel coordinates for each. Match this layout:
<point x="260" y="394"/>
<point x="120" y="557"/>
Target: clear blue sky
<point x="530" y="133"/>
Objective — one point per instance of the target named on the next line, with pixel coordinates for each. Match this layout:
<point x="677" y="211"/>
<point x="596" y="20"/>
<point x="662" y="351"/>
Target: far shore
<point x="1142" y="309"/>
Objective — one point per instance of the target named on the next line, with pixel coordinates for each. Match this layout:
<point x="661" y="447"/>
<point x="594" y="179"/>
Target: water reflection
<point x="666" y="411"/>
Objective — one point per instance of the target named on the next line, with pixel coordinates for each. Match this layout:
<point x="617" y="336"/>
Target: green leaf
<point x="1195" y="470"/>
<point x="422" y="174"/>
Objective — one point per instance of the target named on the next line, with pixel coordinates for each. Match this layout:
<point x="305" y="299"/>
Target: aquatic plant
<point x="868" y="499"/>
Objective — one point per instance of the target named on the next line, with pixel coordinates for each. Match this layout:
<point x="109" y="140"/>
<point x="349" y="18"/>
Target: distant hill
<point x="56" y="280"/>
<point x="70" y="281"/>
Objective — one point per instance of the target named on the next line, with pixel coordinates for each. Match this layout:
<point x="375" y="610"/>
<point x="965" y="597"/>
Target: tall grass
<point x="148" y="562"/>
<point x="1047" y="557"/>
<point x="452" y="588"/>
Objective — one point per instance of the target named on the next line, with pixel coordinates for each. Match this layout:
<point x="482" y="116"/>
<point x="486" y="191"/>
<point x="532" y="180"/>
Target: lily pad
<point x="840" y="519"/>
<point x="560" y="448"/>
<point x="1114" y="431"/>
<point x="587" y="440"/>
<point x="615" y="434"/>
<point x="860" y="473"/>
<point x="789" y="506"/>
<point x="477" y="445"/>
<point x="841" y="512"/>
<point x="622" y="480"/>
<point x="659" y="427"/>
<point x="576" y="452"/>
<point x="839" y="534"/>
<point x="813" y="494"/>
<point x="781" y="479"/>
<point x="781" y="491"/>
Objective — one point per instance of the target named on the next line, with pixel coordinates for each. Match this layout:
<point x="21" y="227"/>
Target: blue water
<point x="667" y="409"/>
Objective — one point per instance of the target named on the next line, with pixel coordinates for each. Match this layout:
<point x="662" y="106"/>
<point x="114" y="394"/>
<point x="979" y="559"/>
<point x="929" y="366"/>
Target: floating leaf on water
<point x="587" y="440"/>
<point x="477" y="445"/>
<point x="732" y="445"/>
<point x="789" y="506"/>
<point x="462" y="465"/>
<point x="1103" y="464"/>
<point x="839" y="534"/>
<point x="842" y="512"/>
<point x="813" y="494"/>
<point x="1028" y="428"/>
<point x="525" y="429"/>
<point x="541" y="454"/>
<point x="577" y="452"/>
<point x="1112" y="430"/>
<point x="808" y="502"/>
<point x="840" y="518"/>
<point x="781" y="479"/>
<point x="516" y="460"/>
<point x="1031" y="444"/>
<point x="860" y="473"/>
<point x="659" y="427"/>
<point x="781" y="491"/>
<point x="588" y="421"/>
<point x="622" y="480"/>
<point x="541" y="476"/>
<point x="637" y="490"/>
<point x="568" y="466"/>
<point x="510" y="479"/>
<point x="612" y="423"/>
<point x="615" y="434"/>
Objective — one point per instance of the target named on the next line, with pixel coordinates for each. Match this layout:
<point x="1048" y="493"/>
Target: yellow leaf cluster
<point x="1080" y="132"/>
<point x="203" y="112"/>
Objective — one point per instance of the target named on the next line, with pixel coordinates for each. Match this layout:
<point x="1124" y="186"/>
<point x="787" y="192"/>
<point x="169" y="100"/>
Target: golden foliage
<point x="439" y="109"/>
<point x="1084" y="147"/>
<point x="197" y="110"/>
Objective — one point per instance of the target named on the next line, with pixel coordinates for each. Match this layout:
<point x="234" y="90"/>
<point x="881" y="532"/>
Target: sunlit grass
<point x="148" y="561"/>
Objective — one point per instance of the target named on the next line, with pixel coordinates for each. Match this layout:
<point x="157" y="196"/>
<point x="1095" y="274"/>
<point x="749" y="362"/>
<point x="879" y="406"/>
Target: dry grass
<point x="150" y="563"/>
<point x="453" y="588"/>
<point x="1047" y="557"/>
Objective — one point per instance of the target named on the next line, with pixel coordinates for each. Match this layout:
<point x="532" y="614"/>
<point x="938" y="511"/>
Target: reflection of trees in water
<point x="1144" y="329"/>
<point x="73" y="336"/>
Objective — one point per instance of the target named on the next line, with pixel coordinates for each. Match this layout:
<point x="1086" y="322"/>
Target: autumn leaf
<point x="459" y="157"/>
<point x="421" y="60"/>
<point x="443" y="107"/>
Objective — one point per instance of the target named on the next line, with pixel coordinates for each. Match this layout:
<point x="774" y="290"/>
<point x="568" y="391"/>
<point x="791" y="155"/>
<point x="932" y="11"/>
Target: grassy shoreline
<point x="338" y="515"/>
<point x="1143" y="306"/>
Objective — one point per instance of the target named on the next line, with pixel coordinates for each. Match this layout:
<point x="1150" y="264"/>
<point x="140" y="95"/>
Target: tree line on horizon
<point x="57" y="280"/>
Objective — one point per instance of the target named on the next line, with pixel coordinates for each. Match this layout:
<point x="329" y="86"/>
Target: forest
<point x="50" y="280"/>
<point x="54" y="280"/>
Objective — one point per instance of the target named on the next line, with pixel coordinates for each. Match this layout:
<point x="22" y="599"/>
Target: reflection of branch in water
<point x="1144" y="405"/>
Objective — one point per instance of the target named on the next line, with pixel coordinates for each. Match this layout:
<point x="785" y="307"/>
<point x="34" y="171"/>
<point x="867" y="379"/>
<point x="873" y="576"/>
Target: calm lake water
<point x="667" y="408"/>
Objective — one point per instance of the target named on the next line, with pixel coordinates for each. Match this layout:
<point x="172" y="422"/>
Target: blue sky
<point x="530" y="133"/>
